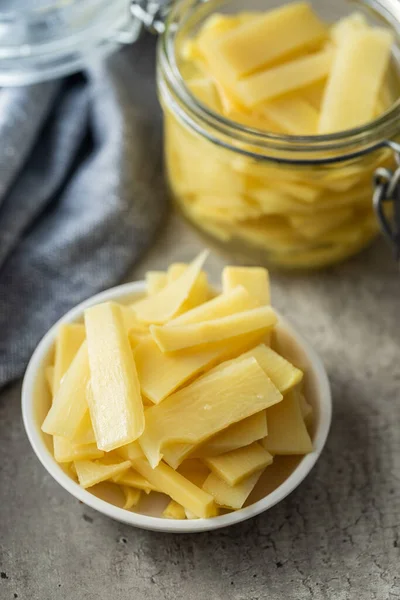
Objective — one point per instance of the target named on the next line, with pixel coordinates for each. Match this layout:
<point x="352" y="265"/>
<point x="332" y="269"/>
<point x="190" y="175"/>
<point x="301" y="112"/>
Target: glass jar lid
<point x="44" y="39"/>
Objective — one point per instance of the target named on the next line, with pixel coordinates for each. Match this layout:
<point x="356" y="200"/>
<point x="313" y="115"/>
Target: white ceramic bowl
<point x="36" y="402"/>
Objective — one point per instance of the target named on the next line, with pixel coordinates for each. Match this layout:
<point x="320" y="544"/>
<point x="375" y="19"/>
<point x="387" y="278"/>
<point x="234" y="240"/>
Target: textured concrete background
<point x="337" y="537"/>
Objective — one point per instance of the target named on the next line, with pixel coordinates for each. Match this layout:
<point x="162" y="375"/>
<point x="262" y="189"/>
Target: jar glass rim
<point x="343" y="145"/>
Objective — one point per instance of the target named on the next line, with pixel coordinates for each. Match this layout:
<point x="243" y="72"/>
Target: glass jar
<point x="44" y="39"/>
<point x="288" y="201"/>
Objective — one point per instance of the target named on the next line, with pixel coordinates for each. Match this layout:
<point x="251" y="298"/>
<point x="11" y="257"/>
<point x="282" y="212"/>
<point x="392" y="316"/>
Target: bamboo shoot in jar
<point x="271" y="148"/>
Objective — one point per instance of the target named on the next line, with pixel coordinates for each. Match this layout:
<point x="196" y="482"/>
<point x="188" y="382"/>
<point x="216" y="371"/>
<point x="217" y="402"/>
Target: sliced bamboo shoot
<point x="287" y="433"/>
<point x="174" y="511"/>
<point x="229" y="496"/>
<point x="130" y="451"/>
<point x="240" y="434"/>
<point x="89" y="472"/>
<point x="281" y="372"/>
<point x="70" y="337"/>
<point x="173" y="370"/>
<point x="181" y="490"/>
<point x="155" y="281"/>
<point x="85" y="432"/>
<point x="200" y="292"/>
<point x="306" y="411"/>
<point x="235" y="301"/>
<point x="66" y="451"/>
<point x="254" y="279"/>
<point x="273" y="36"/>
<point x="132" y="497"/>
<point x="204" y="89"/>
<point x="285" y="78"/>
<point x="70" y="402"/>
<point x="357" y="74"/>
<point x="133" y="479"/>
<point x="171" y="338"/>
<point x="195" y="470"/>
<point x="115" y="404"/>
<point x="238" y="465"/>
<point x="49" y="373"/>
<point x="293" y="115"/>
<point x="163" y="306"/>
<point x="210" y="404"/>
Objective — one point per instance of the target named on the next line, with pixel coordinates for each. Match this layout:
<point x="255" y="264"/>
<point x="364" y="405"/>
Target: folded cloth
<point x="81" y="197"/>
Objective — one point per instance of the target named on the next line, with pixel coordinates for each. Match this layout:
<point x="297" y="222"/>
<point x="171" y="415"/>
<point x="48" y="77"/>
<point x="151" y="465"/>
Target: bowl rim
<point x="37" y="442"/>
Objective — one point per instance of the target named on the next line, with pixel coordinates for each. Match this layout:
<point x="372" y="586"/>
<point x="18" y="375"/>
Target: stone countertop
<point x="337" y="537"/>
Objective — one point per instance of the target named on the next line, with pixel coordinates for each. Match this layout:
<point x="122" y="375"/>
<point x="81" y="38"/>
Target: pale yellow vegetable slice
<point x="132" y="497"/>
<point x="66" y="451"/>
<point x="133" y="479"/>
<point x="240" y="434"/>
<point x="189" y="514"/>
<point x="161" y="374"/>
<point x="281" y="372"/>
<point x="155" y="281"/>
<point x="238" y="465"/>
<point x="285" y="78"/>
<point x="69" y="339"/>
<point x="85" y="432"/>
<point x="171" y="338"/>
<point x="175" y="271"/>
<point x="131" y="323"/>
<point x="130" y="451"/>
<point x="200" y="292"/>
<point x="270" y="235"/>
<point x="212" y="65"/>
<point x="358" y="70"/>
<point x="115" y="404"/>
<point x="273" y="202"/>
<point x="210" y="404"/>
<point x="270" y="37"/>
<point x="346" y="26"/>
<point x="306" y="411"/>
<point x="314" y="94"/>
<point x="254" y="279"/>
<point x="225" y="209"/>
<point x="204" y="89"/>
<point x="91" y="472"/>
<point x="194" y="470"/>
<point x="293" y="115"/>
<point x="385" y="100"/>
<point x="216" y="230"/>
<point x="179" y="488"/>
<point x="299" y="191"/>
<point x="318" y="224"/>
<point x="164" y="305"/>
<point x="174" y="511"/>
<point x="229" y="496"/>
<point x="199" y="157"/>
<point x="49" y="373"/>
<point x="235" y="301"/>
<point x="287" y="433"/>
<point x="70" y="402"/>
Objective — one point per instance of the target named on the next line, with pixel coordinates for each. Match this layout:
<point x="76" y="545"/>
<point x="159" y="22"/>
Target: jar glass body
<point x="292" y="202"/>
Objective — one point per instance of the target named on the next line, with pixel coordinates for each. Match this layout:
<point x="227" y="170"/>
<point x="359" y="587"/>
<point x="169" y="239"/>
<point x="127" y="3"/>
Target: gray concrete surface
<point x="337" y="537"/>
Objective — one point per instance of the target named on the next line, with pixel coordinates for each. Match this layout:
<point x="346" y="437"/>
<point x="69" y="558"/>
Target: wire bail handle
<point x="387" y="190"/>
<point x="151" y="13"/>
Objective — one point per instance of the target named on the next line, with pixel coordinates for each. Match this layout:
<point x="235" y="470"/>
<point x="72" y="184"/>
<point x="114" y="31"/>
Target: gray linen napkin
<point x="81" y="197"/>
